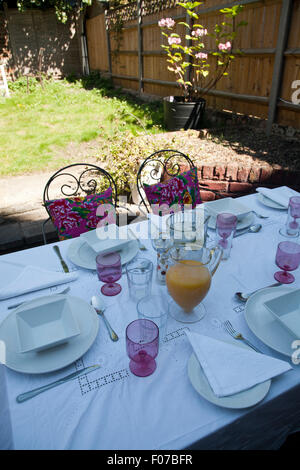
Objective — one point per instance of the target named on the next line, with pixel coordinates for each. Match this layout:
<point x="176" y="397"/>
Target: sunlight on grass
<point x="35" y="125"/>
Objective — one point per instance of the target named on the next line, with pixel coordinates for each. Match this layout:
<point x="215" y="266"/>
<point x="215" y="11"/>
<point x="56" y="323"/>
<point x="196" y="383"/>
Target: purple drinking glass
<point x="109" y="269"/>
<point x="225" y="230"/>
<point x="288" y="259"/>
<point x="292" y="226"/>
<point x="142" y="340"/>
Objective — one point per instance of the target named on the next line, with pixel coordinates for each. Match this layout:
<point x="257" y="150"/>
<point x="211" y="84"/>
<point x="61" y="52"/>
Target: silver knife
<point x="62" y="262"/>
<point x="32" y="393"/>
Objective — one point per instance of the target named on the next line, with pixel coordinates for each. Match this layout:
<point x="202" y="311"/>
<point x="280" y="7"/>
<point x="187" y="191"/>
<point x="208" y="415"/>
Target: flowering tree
<point x="183" y="56"/>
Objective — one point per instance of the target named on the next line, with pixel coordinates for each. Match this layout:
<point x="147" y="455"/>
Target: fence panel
<point x="136" y="53"/>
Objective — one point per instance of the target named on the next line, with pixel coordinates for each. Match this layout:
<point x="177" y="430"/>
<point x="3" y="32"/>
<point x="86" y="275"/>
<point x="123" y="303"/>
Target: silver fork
<point x="229" y="328"/>
<point x="141" y="246"/>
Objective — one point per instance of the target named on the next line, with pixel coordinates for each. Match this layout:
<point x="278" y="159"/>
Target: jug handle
<point x="216" y="256"/>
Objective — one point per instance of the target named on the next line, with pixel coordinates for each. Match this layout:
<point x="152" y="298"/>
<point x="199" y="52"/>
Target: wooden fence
<point x="260" y="81"/>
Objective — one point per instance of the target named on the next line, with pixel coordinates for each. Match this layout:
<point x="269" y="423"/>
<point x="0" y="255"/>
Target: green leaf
<point x="185" y="24"/>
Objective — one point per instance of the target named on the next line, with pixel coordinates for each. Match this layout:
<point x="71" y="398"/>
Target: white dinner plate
<point x="262" y="323"/>
<point x="57" y="357"/>
<point x="239" y="400"/>
<point x="241" y="224"/>
<point x="81" y="254"/>
<point x="227" y="204"/>
<point x="269" y="202"/>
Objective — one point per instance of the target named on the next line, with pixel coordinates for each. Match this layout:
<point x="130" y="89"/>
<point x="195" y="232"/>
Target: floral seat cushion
<point x="178" y="191"/>
<point x="76" y="215"/>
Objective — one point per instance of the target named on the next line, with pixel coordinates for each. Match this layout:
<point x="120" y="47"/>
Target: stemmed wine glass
<point x="287" y="259"/>
<point x="292" y="226"/>
<point x="109" y="269"/>
<point x="142" y="342"/>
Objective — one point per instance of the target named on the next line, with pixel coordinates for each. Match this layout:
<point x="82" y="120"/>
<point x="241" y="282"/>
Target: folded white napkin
<point x="231" y="369"/>
<point x="105" y="239"/>
<point x="280" y="195"/>
<point x="32" y="278"/>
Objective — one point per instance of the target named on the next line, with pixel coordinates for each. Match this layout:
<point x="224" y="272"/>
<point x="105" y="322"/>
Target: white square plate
<point x="105" y="239"/>
<point x="229" y="205"/>
<point x="45" y="325"/>
<point x="286" y="309"/>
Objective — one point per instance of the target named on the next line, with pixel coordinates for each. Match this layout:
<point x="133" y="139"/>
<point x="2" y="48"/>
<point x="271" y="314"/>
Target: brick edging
<point x="236" y="180"/>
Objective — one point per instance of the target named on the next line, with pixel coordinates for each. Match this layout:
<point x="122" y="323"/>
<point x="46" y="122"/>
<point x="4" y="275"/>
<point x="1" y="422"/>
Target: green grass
<point x="36" y="126"/>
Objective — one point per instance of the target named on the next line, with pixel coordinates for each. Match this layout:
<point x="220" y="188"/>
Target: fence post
<point x="140" y="45"/>
<point x="108" y="43"/>
<point x="284" y="24"/>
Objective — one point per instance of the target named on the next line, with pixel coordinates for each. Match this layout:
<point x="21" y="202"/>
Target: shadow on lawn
<point x="153" y="110"/>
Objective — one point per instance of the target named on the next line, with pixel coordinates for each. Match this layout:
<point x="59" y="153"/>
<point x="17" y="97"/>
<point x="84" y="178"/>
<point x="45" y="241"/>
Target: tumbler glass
<point x="139" y="275"/>
<point x="225" y="230"/>
<point x="154" y="308"/>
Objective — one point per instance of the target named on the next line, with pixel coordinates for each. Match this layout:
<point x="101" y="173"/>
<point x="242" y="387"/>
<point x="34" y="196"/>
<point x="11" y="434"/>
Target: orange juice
<point x="188" y="283"/>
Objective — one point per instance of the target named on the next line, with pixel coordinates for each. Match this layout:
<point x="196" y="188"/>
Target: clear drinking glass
<point x="139" y="275"/>
<point x="189" y="226"/>
<point x="292" y="225"/>
<point x="287" y="259"/>
<point x="142" y="342"/>
<point x="225" y="230"/>
<point x="109" y="269"/>
<point x="154" y="308"/>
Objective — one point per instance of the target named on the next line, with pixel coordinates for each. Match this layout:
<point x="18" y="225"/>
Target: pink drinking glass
<point x="292" y="226"/>
<point x="225" y="230"/>
<point x="142" y="340"/>
<point x="109" y="269"/>
<point x="288" y="259"/>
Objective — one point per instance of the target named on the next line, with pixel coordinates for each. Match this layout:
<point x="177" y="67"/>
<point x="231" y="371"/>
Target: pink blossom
<point x="224" y="47"/>
<point x="199" y="32"/>
<point x="174" y="41"/>
<point x="201" y="55"/>
<point x="166" y="23"/>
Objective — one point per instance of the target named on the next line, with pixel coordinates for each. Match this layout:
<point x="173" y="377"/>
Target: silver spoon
<point x="244" y="297"/>
<point x="252" y="229"/>
<point x="98" y="306"/>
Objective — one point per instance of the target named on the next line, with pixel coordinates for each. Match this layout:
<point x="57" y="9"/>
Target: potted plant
<point x="197" y="71"/>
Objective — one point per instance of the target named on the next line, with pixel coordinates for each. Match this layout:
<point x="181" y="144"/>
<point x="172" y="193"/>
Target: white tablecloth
<point x="113" y="409"/>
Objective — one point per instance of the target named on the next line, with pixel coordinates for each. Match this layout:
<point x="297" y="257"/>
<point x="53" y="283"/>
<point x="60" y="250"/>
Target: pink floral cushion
<point x="76" y="215"/>
<point x="181" y="189"/>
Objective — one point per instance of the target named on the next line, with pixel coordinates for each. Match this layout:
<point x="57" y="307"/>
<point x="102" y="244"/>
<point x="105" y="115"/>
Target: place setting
<point x="83" y="250"/>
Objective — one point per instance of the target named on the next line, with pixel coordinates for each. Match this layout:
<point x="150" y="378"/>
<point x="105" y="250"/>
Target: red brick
<point x="254" y="175"/>
<point x="207" y="172"/>
<point x="231" y="173"/>
<point x="265" y="174"/>
<point x="216" y="185"/>
<point x="220" y="172"/>
<point x="243" y="174"/>
<point x="207" y="195"/>
<point x="241" y="187"/>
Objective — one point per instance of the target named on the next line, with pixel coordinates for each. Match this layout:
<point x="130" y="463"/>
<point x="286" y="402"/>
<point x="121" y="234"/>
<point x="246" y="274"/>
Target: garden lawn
<point x="36" y="127"/>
